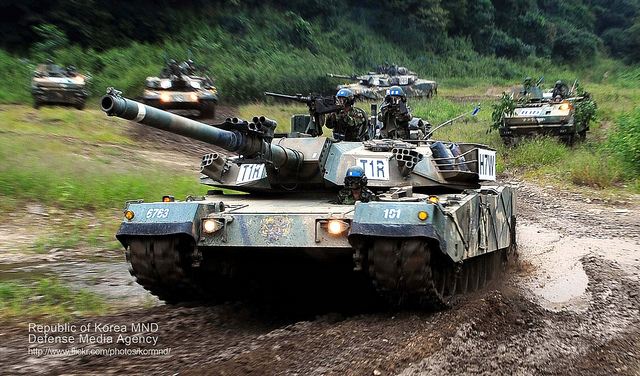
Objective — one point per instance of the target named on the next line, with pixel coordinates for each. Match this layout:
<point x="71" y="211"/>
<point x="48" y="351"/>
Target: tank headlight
<point x="565" y="106"/>
<point x="336" y="227"/>
<point x="165" y="84"/>
<point x="80" y="79"/>
<point x="193" y="97"/>
<point x="165" y="97"/>
<point x="129" y="214"/>
<point x="168" y="198"/>
<point x="423" y="215"/>
<point x="433" y="199"/>
<point x="212" y="90"/>
<point x="211" y="225"/>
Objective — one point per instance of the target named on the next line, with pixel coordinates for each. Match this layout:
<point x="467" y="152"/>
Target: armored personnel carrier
<point x="435" y="232"/>
<point x="374" y="85"/>
<point x="552" y="113"/>
<point x="182" y="87"/>
<point x="51" y="84"/>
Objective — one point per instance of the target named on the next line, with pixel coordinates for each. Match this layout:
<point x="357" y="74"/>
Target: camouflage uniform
<point x="345" y="196"/>
<point x="350" y="125"/>
<point x="395" y="124"/>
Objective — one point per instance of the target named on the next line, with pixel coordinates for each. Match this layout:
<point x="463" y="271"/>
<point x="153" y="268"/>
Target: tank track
<point x="159" y="264"/>
<point x="408" y="272"/>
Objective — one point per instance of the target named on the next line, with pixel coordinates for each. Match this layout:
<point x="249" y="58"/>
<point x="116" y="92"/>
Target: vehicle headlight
<point x="211" y="225"/>
<point x="165" y="84"/>
<point x="336" y="227"/>
<point x="165" y="97"/>
<point x="565" y="106"/>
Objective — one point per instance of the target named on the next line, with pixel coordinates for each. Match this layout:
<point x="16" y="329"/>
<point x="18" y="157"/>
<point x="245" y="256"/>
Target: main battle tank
<point x="182" y="87"/>
<point x="374" y="85"/>
<point x="545" y="113"/>
<point x="434" y="233"/>
<point x="52" y="84"/>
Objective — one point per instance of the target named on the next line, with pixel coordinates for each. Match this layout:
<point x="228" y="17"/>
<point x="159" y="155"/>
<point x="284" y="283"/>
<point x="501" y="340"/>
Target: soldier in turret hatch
<point x="355" y="188"/>
<point x="351" y="123"/>
<point x="395" y="114"/>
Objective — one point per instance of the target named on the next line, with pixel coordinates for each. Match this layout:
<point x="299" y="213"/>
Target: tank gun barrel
<point x="246" y="139"/>
<point x="349" y="77"/>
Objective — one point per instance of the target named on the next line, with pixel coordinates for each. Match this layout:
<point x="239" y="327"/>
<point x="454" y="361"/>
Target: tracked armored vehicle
<point x="182" y="87"/>
<point x="374" y="85"/>
<point x="51" y="84"/>
<point x="435" y="232"/>
<point x="547" y="114"/>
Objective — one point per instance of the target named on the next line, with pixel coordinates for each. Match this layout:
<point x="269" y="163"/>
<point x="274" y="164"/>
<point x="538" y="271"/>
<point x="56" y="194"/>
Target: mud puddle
<point x="558" y="279"/>
<point x="108" y="279"/>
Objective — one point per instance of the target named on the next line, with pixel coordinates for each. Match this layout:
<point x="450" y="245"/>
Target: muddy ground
<point x="568" y="305"/>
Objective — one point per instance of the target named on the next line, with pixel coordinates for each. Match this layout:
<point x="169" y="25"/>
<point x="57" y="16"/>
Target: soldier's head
<point x="558" y="83"/>
<point x="395" y="95"/>
<point x="355" y="178"/>
<point x="527" y="81"/>
<point x="558" y="98"/>
<point x="345" y="97"/>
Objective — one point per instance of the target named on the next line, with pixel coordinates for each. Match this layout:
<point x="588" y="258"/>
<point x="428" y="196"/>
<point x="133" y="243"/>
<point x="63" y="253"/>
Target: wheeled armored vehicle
<point x="545" y="113"/>
<point x="182" y="87"/>
<point x="52" y="84"/>
<point x="435" y="232"/>
<point x="374" y="85"/>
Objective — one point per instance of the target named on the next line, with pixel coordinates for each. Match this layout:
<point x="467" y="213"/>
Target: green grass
<point x="47" y="300"/>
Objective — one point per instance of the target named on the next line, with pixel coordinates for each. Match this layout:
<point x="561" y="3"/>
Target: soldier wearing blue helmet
<point x="351" y="123"/>
<point x="395" y="114"/>
<point x="355" y="187"/>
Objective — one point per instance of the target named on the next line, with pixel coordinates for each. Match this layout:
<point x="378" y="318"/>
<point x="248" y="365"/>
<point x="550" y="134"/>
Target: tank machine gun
<point x="436" y="232"/>
<point x="318" y="107"/>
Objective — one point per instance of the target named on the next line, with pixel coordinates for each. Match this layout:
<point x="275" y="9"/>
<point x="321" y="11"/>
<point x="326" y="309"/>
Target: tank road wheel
<point x="404" y="272"/>
<point x="208" y="109"/>
<point x="160" y="266"/>
<point x="80" y="104"/>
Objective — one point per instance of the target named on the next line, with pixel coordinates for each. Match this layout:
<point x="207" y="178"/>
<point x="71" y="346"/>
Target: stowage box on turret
<point x="435" y="231"/>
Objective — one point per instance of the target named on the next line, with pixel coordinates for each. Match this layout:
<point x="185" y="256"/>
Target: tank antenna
<point x="472" y="112"/>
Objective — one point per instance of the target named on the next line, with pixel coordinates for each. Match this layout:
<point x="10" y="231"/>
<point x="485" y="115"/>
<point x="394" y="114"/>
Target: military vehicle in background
<point x="183" y="86"/>
<point x="556" y="112"/>
<point x="52" y="84"/>
<point x="374" y="85"/>
<point x="435" y="232"/>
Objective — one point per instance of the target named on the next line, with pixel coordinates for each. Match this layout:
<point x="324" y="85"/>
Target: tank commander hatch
<point x="355" y="188"/>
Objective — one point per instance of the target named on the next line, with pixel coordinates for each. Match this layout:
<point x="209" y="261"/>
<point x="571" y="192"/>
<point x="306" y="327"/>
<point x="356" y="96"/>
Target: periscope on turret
<point x="446" y="230"/>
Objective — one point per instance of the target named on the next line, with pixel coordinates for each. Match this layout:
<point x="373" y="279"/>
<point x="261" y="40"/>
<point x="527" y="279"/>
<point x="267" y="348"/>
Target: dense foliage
<point x="566" y="29"/>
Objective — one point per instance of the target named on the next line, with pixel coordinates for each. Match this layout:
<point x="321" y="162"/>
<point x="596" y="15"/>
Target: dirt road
<point x="568" y="305"/>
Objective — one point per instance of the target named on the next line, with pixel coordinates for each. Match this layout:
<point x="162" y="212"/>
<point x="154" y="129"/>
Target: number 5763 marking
<point x="157" y="213"/>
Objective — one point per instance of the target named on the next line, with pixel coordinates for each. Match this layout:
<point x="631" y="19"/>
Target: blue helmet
<point x="355" y="178"/>
<point x="347" y="96"/>
<point x="396" y="91"/>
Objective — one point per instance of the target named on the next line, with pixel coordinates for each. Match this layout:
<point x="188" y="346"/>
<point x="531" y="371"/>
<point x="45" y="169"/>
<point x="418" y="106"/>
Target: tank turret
<point x="266" y="163"/>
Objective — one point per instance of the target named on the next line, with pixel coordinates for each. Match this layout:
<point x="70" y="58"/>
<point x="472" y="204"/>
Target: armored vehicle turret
<point x="182" y="86"/>
<point x="52" y="84"/>
<point x="374" y="85"/>
<point x="551" y="113"/>
<point x="432" y="232"/>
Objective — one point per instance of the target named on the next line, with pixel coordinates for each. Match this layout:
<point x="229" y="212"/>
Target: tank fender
<point x="396" y="220"/>
<point x="161" y="218"/>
